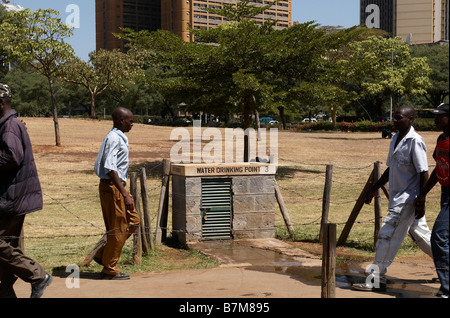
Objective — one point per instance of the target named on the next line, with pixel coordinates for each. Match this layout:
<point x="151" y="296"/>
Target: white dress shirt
<point x="113" y="156"/>
<point x="405" y="163"/>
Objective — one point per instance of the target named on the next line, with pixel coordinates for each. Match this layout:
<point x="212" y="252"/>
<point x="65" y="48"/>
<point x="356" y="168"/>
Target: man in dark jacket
<point x="20" y="194"/>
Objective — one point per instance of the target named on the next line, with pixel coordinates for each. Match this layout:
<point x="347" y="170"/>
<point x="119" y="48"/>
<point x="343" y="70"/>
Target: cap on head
<point x="441" y="109"/>
<point x="5" y="91"/>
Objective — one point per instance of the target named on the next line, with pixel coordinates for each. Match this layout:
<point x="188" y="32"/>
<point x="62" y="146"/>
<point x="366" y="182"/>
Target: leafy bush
<point x="424" y="124"/>
<point x="420" y="124"/>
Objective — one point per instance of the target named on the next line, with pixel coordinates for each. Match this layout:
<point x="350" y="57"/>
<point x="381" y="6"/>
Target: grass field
<point x="71" y="221"/>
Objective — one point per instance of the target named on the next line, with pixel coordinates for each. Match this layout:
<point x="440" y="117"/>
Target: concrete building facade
<point x="419" y="21"/>
<point x="179" y="16"/>
<point x="176" y="16"/>
<point x="111" y="15"/>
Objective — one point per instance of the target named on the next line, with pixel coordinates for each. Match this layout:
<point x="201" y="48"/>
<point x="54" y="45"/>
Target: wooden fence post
<point x="283" y="209"/>
<point x="326" y="199"/>
<point x="137" y="241"/>
<point x="356" y="209"/>
<point x="377" y="203"/>
<point x="163" y="208"/>
<point x="147" y="234"/>
<point x="329" y="261"/>
<point x="99" y="245"/>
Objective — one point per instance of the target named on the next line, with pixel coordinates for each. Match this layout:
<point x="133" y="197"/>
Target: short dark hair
<point x="409" y="110"/>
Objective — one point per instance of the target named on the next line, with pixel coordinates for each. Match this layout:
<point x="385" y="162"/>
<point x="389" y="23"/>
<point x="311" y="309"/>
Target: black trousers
<point x="13" y="262"/>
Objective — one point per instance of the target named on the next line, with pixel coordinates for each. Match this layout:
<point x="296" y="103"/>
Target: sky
<point x="81" y="14"/>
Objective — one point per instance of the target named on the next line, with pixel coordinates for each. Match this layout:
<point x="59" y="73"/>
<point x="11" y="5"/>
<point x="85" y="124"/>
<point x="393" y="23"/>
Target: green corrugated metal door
<point x="216" y="209"/>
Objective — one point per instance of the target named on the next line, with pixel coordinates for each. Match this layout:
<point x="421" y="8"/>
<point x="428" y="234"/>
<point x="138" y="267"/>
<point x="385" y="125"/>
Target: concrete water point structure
<point x="223" y="201"/>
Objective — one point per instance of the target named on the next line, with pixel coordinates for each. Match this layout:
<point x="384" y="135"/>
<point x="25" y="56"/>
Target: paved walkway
<point x="250" y="269"/>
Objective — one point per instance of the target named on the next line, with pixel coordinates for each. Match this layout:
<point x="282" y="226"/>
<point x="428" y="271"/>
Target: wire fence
<point x="94" y="230"/>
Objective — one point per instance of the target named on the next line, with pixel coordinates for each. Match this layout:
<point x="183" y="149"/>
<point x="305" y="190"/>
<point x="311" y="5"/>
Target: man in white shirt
<point x="407" y="172"/>
<point x="119" y="214"/>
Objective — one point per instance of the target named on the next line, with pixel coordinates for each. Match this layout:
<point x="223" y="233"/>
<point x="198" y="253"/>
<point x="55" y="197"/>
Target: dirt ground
<point x="253" y="269"/>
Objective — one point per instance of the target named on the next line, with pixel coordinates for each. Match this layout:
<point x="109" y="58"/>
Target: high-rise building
<point x="378" y="14"/>
<point x="420" y="21"/>
<point x="111" y="15"/>
<point x="180" y="15"/>
<point x="176" y="16"/>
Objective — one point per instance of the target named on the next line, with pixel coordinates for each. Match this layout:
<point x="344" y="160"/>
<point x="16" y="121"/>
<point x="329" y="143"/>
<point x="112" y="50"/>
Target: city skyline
<point x="83" y="41"/>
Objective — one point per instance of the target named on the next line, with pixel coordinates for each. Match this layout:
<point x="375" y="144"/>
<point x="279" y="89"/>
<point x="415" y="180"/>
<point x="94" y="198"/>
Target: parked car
<point x="273" y="122"/>
<point x="265" y="120"/>
<point x="307" y="120"/>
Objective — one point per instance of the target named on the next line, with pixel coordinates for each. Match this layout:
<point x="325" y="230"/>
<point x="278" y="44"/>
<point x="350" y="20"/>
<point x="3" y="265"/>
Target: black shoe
<point x="120" y="276"/>
<point x="38" y="289"/>
<point x="441" y="295"/>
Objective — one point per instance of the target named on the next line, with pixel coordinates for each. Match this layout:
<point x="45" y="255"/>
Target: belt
<point x="109" y="181"/>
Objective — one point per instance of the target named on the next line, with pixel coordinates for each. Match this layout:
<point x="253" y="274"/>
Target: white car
<point x="273" y="122"/>
<point x="307" y="120"/>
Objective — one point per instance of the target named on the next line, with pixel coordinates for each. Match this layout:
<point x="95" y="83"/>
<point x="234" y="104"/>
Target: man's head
<point x="403" y="118"/>
<point x="123" y="119"/>
<point x="5" y="99"/>
<point x="441" y="116"/>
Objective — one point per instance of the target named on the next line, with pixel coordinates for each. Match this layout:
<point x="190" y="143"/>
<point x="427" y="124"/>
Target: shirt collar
<point x="410" y="132"/>
<point x="121" y="134"/>
<point x="409" y="135"/>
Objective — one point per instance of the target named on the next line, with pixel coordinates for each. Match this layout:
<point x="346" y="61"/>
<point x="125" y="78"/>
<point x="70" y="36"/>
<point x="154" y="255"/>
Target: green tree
<point x="29" y="97"/>
<point x="241" y="67"/>
<point x="3" y="62"/>
<point x="324" y="83"/>
<point x="438" y="60"/>
<point x="105" y="69"/>
<point x="37" y="39"/>
<point x="386" y="64"/>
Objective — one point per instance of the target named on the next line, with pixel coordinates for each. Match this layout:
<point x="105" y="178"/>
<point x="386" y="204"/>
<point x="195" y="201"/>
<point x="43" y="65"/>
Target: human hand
<point x="129" y="202"/>
<point x="419" y="205"/>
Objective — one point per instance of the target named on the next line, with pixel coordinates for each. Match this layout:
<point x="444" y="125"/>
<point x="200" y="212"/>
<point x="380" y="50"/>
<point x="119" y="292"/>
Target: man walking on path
<point x="439" y="236"/>
<point x="119" y="214"/>
<point x="20" y="194"/>
<point x="407" y="172"/>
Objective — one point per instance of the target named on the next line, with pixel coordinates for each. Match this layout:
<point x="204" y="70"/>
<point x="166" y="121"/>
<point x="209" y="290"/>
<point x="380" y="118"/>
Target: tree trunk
<point x="283" y="119"/>
<point x="334" y="117"/>
<point x="92" y="109"/>
<point x="55" y="111"/>
<point x="246" y="125"/>
<point x="393" y="105"/>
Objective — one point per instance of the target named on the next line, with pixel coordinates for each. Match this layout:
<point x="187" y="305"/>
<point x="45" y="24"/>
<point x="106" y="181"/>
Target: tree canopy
<point x="37" y="39"/>
<point x="238" y="68"/>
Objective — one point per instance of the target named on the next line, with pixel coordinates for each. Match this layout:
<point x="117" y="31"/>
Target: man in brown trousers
<point x="119" y="214"/>
<point x="20" y="194"/>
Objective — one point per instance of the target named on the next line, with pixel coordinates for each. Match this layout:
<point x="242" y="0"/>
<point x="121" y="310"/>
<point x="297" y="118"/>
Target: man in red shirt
<point x="439" y="236"/>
